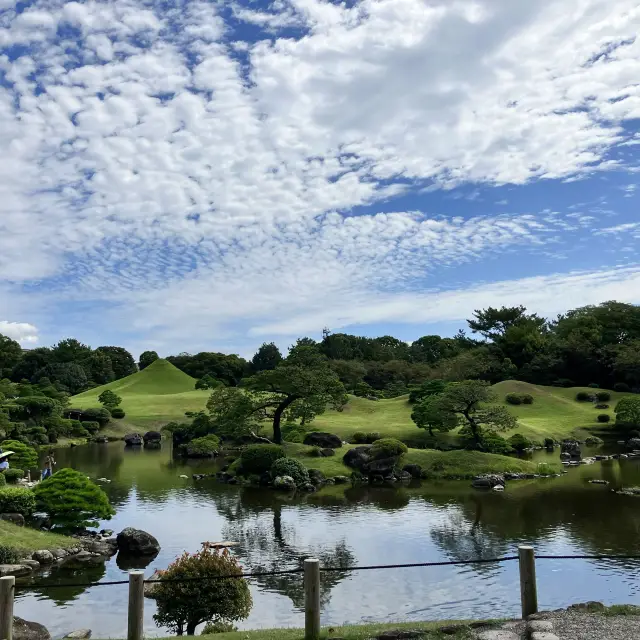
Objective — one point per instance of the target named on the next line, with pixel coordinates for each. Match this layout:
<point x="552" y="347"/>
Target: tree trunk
<point x="277" y="416"/>
<point x="475" y="429"/>
<point x="191" y="628"/>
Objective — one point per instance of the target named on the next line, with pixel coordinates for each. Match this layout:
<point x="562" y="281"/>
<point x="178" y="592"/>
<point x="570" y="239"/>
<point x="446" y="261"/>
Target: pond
<point x="357" y="526"/>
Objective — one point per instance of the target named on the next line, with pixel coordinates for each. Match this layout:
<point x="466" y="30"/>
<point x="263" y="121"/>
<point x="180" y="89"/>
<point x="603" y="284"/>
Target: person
<point x="49" y="462"/>
<point x="4" y="464"/>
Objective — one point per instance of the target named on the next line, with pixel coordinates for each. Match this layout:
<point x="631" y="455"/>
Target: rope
<point x="260" y="574"/>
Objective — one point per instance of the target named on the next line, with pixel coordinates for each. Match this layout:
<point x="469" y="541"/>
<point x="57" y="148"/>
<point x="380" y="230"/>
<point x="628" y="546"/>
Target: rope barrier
<point x="46" y="587"/>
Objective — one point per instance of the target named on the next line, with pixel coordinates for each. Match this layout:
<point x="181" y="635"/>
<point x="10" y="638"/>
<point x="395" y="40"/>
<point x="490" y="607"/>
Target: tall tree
<point x="70" y="350"/>
<point x="10" y="354"/>
<point x="266" y="358"/>
<point x="146" y="358"/>
<point x="122" y="361"/>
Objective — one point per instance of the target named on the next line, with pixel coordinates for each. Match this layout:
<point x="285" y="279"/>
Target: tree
<point x="122" y="361"/>
<point x="109" y="399"/>
<point x="72" y="500"/>
<point x="69" y="374"/>
<point x="208" y="382"/>
<point x="492" y="323"/>
<point x="626" y="364"/>
<point x="230" y="368"/>
<point x="31" y="362"/>
<point x="10" y="354"/>
<point x="469" y="402"/>
<point x="427" y="389"/>
<point x="184" y="605"/>
<point x="303" y="382"/>
<point x="70" y="350"/>
<point x="628" y="412"/>
<point x="350" y="372"/>
<point x="428" y="415"/>
<point x="266" y="358"/>
<point x="99" y="368"/>
<point x="146" y="358"/>
<point x="25" y="457"/>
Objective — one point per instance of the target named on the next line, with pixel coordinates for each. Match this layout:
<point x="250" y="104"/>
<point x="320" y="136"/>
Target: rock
<point x="224" y="477"/>
<point x="132" y="440"/>
<point x="497" y="634"/>
<point x="571" y="447"/>
<point x="488" y="481"/>
<point x="323" y="440"/>
<point x="83" y="556"/>
<point x="598" y="482"/>
<point x="401" y="634"/>
<point x="414" y="470"/>
<point x="383" y="466"/>
<point x="101" y="439"/>
<point x="30" y="562"/>
<point x="14" y="570"/>
<point x="105" y="548"/>
<point x="316" y="476"/>
<point x="340" y="479"/>
<point x="327" y="453"/>
<point x="286" y="483"/>
<point x="80" y="634"/>
<point x="59" y="553"/>
<point x="358" y="457"/>
<point x="452" y="629"/>
<point x="152" y="436"/>
<point x="590" y="607"/>
<point x="309" y="488"/>
<point x="25" y="630"/>
<point x="149" y="588"/>
<point x="15" y="518"/>
<point x="542" y="626"/>
<point x="43" y="556"/>
<point x="633" y="443"/>
<point x="541" y="635"/>
<point x="137" y="542"/>
<point x="498" y="487"/>
<point x="107" y="533"/>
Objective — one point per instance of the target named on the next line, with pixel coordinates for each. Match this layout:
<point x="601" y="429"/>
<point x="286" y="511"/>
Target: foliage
<point x="487" y="441"/>
<point x="146" y="358"/>
<point x="72" y="500"/>
<point x="519" y="443"/>
<point x="583" y="396"/>
<point x="182" y="606"/>
<point x="208" y="382"/>
<point x="90" y="425"/>
<point x="290" y="467"/>
<point x="549" y="443"/>
<point x="388" y="448"/>
<point x="519" y="398"/>
<point x="365" y="437"/>
<point x="17" y="500"/>
<point x="427" y="389"/>
<point x="602" y="406"/>
<point x="217" y="627"/>
<point x="628" y="412"/>
<point x="13" y="475"/>
<point x="593" y="441"/>
<point x="603" y="396"/>
<point x="109" y="399"/>
<point x="230" y="368"/>
<point x="204" y="446"/>
<point x="101" y="416"/>
<point x="428" y="415"/>
<point x="259" y="458"/>
<point x="122" y="362"/>
<point x="293" y="432"/>
<point x="10" y="354"/>
<point x="8" y="555"/>
<point x="24" y="457"/>
<point x="267" y="357"/>
<point x="3" y="479"/>
<point x="621" y="387"/>
<point x="593" y="385"/>
<point x="117" y="413"/>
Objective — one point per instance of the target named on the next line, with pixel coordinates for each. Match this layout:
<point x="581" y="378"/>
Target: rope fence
<point x="311" y="570"/>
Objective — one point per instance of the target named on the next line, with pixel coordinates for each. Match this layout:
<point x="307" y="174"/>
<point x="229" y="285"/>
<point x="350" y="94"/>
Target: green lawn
<point x="27" y="540"/>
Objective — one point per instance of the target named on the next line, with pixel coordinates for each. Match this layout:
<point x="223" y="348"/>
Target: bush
<point x="621" y="387"/>
<point x="602" y="406"/>
<point x="13" y="475"/>
<point x="91" y="427"/>
<point x="388" y="448"/>
<point x="603" y="396"/>
<point x="17" y="500"/>
<point x="583" y="396"/>
<point x="604" y="417"/>
<point x="259" y="458"/>
<point x="205" y="447"/>
<point x="519" y="442"/>
<point x="24" y="457"/>
<point x="3" y="480"/>
<point x="101" y="416"/>
<point x="290" y="467"/>
<point x="217" y="627"/>
<point x="182" y="606"/>
<point x="9" y="555"/>
<point x="513" y="398"/>
<point x="594" y="441"/>
<point x="293" y="432"/>
<point x="549" y="443"/>
<point x="493" y="443"/>
<point x="78" y="430"/>
<point x="117" y="413"/>
<point x="72" y="500"/>
<point x="563" y="382"/>
<point x="527" y="398"/>
<point x="365" y="437"/>
<point x="593" y="385"/>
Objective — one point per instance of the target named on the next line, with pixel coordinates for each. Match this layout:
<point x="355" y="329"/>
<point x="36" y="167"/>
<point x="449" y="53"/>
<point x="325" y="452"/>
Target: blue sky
<point x="207" y="176"/>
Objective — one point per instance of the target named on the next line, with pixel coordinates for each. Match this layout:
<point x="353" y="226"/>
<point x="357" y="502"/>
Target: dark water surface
<point x="358" y="526"/>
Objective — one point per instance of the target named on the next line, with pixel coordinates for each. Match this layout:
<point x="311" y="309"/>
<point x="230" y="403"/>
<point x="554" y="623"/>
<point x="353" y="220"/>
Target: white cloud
<point x="22" y="332"/>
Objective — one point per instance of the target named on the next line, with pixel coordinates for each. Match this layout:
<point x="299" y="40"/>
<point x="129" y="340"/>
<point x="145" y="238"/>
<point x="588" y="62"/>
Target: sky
<point x="184" y="175"/>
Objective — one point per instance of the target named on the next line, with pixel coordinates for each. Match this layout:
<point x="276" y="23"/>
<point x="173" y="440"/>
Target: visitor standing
<point x="49" y="463"/>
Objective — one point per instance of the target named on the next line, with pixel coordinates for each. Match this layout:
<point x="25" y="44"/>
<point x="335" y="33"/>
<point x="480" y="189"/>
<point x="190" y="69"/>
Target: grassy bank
<point x="437" y="464"/>
<point x="26" y="540"/>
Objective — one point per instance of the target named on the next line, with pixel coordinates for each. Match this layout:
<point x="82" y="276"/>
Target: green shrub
<point x="217" y="627"/>
<point x="603" y="396"/>
<point x="583" y="396"/>
<point x="519" y="442"/>
<point x="365" y="437"/>
<point x="290" y="467"/>
<point x="513" y="398"/>
<point x="117" y="413"/>
<point x="13" y="475"/>
<point x="24" y="457"/>
<point x="91" y="426"/>
<point x="527" y="398"/>
<point x="563" y="382"/>
<point x="17" y="500"/>
<point x="3" y="480"/>
<point x="258" y="458"/>
<point x="545" y="469"/>
<point x="72" y="500"/>
<point x="593" y="385"/>
<point x="207" y="446"/>
<point x="549" y="443"/>
<point x="293" y="432"/>
<point x="9" y="555"/>
<point x="78" y="430"/>
<point x="594" y="441"/>
<point x="621" y="387"/>
<point x="604" y="417"/>
<point x="388" y="448"/>
<point x="101" y="416"/>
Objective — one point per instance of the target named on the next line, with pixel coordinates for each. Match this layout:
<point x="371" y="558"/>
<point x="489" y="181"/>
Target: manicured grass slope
<point x="26" y="540"/>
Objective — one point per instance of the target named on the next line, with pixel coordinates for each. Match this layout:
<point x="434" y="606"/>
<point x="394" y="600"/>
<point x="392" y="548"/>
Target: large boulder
<point x="571" y="447"/>
<point x="414" y="470"/>
<point x="25" y="630"/>
<point x="43" y="556"/>
<point x="132" y="541"/>
<point x="133" y="440"/>
<point x="286" y="483"/>
<point x="316" y="476"/>
<point x="358" y="457"/>
<point x="152" y="436"/>
<point x="633" y="444"/>
<point x="14" y="518"/>
<point x="14" y="570"/>
<point x="381" y="467"/>
<point x="79" y="634"/>
<point x="488" y="481"/>
<point x="323" y="440"/>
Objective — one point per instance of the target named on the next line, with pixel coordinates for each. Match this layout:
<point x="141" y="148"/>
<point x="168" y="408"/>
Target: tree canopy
<point x="146" y="358"/>
<point x="266" y="358"/>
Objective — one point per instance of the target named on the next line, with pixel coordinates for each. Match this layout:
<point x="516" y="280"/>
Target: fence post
<point x="311" y="599"/>
<point x="7" y="590"/>
<point x="136" y="605"/>
<point x="528" y="588"/>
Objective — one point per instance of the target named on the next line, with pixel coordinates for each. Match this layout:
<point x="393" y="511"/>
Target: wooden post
<point x="311" y="599"/>
<point x="7" y="590"/>
<point x="136" y="605"/>
<point x="528" y="588"/>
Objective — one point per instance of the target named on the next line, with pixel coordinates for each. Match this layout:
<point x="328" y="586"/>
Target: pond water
<point x="357" y="526"/>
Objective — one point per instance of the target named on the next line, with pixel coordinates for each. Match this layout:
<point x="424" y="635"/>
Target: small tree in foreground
<point x="109" y="399"/>
<point x="72" y="500"/>
<point x="182" y="606"/>
<point x="628" y="412"/>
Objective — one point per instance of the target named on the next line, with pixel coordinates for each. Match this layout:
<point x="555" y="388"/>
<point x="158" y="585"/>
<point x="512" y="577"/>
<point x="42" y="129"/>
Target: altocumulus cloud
<point x="170" y="165"/>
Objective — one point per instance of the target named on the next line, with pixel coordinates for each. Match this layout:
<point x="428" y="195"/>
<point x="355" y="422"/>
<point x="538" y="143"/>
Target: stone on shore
<point x="25" y="630"/>
<point x="137" y="542"/>
<point x="43" y="556"/>
<point x="80" y="634"/>
<point x="14" y="518"/>
<point x="14" y="570"/>
<point x="323" y="440"/>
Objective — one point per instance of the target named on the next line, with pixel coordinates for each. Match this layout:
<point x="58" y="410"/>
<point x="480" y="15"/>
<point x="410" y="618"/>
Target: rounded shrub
<point x="24" y="457"/>
<point x="549" y="443"/>
<point x="365" y="437"/>
<point x="101" y="416"/>
<point x="519" y="442"/>
<point x="493" y="443"/>
<point x="293" y="432"/>
<point x="291" y="467"/>
<point x="3" y="480"/>
<point x="259" y="458"/>
<point x="604" y="417"/>
<point x="117" y="413"/>
<point x="593" y="385"/>
<point x="621" y="387"/>
<point x="8" y="555"/>
<point x="388" y="448"/>
<point x="17" y="500"/>
<point x="583" y="396"/>
<point x="13" y="475"/>
<point x="603" y="396"/>
<point x="527" y="398"/>
<point x="594" y="441"/>
<point x="513" y="398"/>
<point x="205" y="447"/>
<point x="91" y="426"/>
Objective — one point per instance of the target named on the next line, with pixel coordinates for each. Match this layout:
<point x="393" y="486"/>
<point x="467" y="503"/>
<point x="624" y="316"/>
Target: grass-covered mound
<point x="25" y="540"/>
